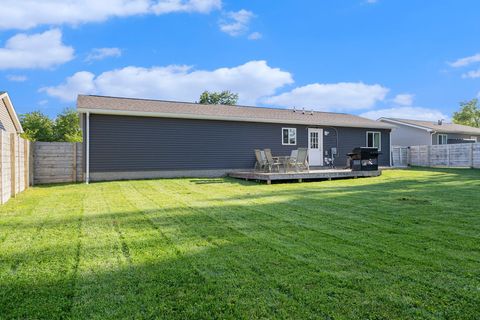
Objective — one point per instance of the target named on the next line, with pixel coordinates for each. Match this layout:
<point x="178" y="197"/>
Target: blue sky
<point x="412" y="59"/>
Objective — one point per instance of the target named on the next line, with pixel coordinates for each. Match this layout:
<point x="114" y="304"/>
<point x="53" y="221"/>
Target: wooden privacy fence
<point x="55" y="162"/>
<point x="446" y="155"/>
<point x="14" y="165"/>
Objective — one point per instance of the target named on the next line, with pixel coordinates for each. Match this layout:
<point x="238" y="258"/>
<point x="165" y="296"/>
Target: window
<point x="374" y="140"/>
<point x="473" y="138"/>
<point x="442" y="139"/>
<point x="289" y="136"/>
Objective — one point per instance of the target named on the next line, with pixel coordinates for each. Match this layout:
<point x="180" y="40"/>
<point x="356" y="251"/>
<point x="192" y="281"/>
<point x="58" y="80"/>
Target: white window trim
<point x="289" y="144"/>
<point x="442" y="135"/>
<point x="474" y="138"/>
<point x="379" y="139"/>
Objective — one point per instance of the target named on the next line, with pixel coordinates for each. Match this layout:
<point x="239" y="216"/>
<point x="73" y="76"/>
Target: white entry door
<point x="315" y="147"/>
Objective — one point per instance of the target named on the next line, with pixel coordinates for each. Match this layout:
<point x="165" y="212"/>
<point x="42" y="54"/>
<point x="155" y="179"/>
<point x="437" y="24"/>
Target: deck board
<point x="312" y="174"/>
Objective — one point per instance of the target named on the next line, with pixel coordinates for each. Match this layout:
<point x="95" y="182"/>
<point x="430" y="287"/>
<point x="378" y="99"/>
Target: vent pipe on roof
<point x="294" y="110"/>
<point x="440" y="122"/>
<point x="311" y="112"/>
<point x="303" y="111"/>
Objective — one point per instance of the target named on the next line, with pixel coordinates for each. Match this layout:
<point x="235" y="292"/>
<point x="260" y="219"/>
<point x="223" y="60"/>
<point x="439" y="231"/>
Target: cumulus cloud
<point x="27" y="14"/>
<point x="41" y="50"/>
<point x="255" y="36"/>
<point x="415" y="113"/>
<point x="341" y="96"/>
<point x="252" y="80"/>
<point x="17" y="78"/>
<point x="236" y="23"/>
<point x="472" y="74"/>
<point x="404" y="99"/>
<point x="463" y="62"/>
<point x="80" y="83"/>
<point x="102" y="53"/>
<point x="201" y="6"/>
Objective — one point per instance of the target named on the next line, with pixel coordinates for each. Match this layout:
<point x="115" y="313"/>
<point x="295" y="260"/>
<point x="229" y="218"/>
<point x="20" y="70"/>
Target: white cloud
<point x="25" y="14"/>
<point x="341" y="96"/>
<point x="201" y="6"/>
<point x="404" y="99"/>
<point x="252" y="80"/>
<point x="415" y="113"/>
<point x="236" y="23"/>
<point x="255" y="36"/>
<point x="463" y="62"/>
<point x="472" y="74"/>
<point x="102" y="53"/>
<point x="41" y="50"/>
<point x="79" y="83"/>
<point x="16" y="78"/>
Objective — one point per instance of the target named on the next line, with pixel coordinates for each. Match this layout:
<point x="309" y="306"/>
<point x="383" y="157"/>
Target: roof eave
<point x="220" y="118"/>
<point x="406" y="124"/>
<point x="11" y="112"/>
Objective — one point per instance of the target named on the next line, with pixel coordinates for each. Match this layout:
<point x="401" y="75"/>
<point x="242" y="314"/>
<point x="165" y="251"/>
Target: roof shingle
<point x="173" y="109"/>
<point x="441" y="128"/>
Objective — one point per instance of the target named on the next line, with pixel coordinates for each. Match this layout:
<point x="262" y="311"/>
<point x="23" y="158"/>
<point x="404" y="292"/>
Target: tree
<point x="37" y="126"/>
<point x="224" y="97"/>
<point x="469" y="114"/>
<point x="67" y="127"/>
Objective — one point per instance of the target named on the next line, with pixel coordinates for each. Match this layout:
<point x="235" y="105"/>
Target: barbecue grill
<point x="363" y="159"/>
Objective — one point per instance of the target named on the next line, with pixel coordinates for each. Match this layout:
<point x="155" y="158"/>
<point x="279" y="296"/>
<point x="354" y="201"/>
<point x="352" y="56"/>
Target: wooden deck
<point x="300" y="176"/>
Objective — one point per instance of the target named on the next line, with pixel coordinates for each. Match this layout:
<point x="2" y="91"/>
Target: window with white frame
<point x="289" y="136"/>
<point x="442" y="139"/>
<point x="374" y="140"/>
<point x="475" y="139"/>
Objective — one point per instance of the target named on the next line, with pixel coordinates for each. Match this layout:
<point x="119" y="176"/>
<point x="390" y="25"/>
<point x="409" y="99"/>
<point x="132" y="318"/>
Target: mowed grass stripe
<point x="372" y="265"/>
<point x="230" y="266"/>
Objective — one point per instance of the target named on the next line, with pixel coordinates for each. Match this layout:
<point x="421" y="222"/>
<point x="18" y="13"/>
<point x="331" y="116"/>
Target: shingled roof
<point x="186" y="110"/>
<point x="435" y="126"/>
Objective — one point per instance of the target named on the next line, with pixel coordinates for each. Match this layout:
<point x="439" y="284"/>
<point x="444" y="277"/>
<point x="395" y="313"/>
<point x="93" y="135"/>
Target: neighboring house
<point x="417" y="133"/>
<point x="9" y="121"/>
<point x="138" y="138"/>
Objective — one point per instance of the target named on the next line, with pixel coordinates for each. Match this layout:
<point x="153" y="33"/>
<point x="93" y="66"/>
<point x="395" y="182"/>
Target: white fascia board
<point x="405" y="124"/>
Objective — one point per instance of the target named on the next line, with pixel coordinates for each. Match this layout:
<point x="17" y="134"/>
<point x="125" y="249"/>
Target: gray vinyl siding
<point x="408" y="136"/>
<point x="453" y="138"/>
<point x="128" y="143"/>
<point x="6" y="122"/>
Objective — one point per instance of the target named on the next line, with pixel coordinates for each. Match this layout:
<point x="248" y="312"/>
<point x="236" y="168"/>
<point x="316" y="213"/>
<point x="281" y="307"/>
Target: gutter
<point x="87" y="147"/>
<point x="373" y="125"/>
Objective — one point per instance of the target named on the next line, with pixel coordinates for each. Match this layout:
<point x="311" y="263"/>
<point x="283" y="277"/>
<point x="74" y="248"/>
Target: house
<point x="128" y="138"/>
<point x="9" y="121"/>
<point x="418" y="133"/>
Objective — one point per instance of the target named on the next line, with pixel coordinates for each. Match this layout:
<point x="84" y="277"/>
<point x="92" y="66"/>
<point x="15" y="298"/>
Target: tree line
<point x="65" y="127"/>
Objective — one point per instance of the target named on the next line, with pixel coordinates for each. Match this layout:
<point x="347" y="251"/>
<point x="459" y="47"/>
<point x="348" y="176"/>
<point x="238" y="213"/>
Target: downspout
<point x="87" y="147"/>
<point x="391" y="151"/>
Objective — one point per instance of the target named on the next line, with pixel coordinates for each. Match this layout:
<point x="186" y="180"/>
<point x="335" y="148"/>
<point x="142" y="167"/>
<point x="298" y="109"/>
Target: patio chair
<point x="300" y="161"/>
<point x="271" y="161"/>
<point x="261" y="162"/>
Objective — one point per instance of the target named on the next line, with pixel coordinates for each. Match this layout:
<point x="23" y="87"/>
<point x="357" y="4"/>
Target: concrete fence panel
<point x="56" y="162"/>
<point x="463" y="155"/>
<point x="14" y="165"/>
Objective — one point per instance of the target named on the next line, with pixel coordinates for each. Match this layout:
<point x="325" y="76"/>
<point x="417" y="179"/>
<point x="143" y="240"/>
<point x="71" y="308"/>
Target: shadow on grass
<point x="307" y="251"/>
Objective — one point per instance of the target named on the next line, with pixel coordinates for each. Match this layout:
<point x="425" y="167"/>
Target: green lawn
<point x="403" y="245"/>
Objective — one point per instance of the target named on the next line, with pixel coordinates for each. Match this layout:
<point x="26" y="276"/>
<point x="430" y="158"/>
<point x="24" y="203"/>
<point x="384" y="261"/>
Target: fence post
<point x="74" y="162"/>
<point x="31" y="161"/>
<point x="25" y="163"/>
<point x="12" y="165"/>
<point x="472" y="148"/>
<point x="1" y="166"/>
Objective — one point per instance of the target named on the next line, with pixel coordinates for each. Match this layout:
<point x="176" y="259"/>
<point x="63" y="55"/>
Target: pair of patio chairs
<point x="266" y="162"/>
